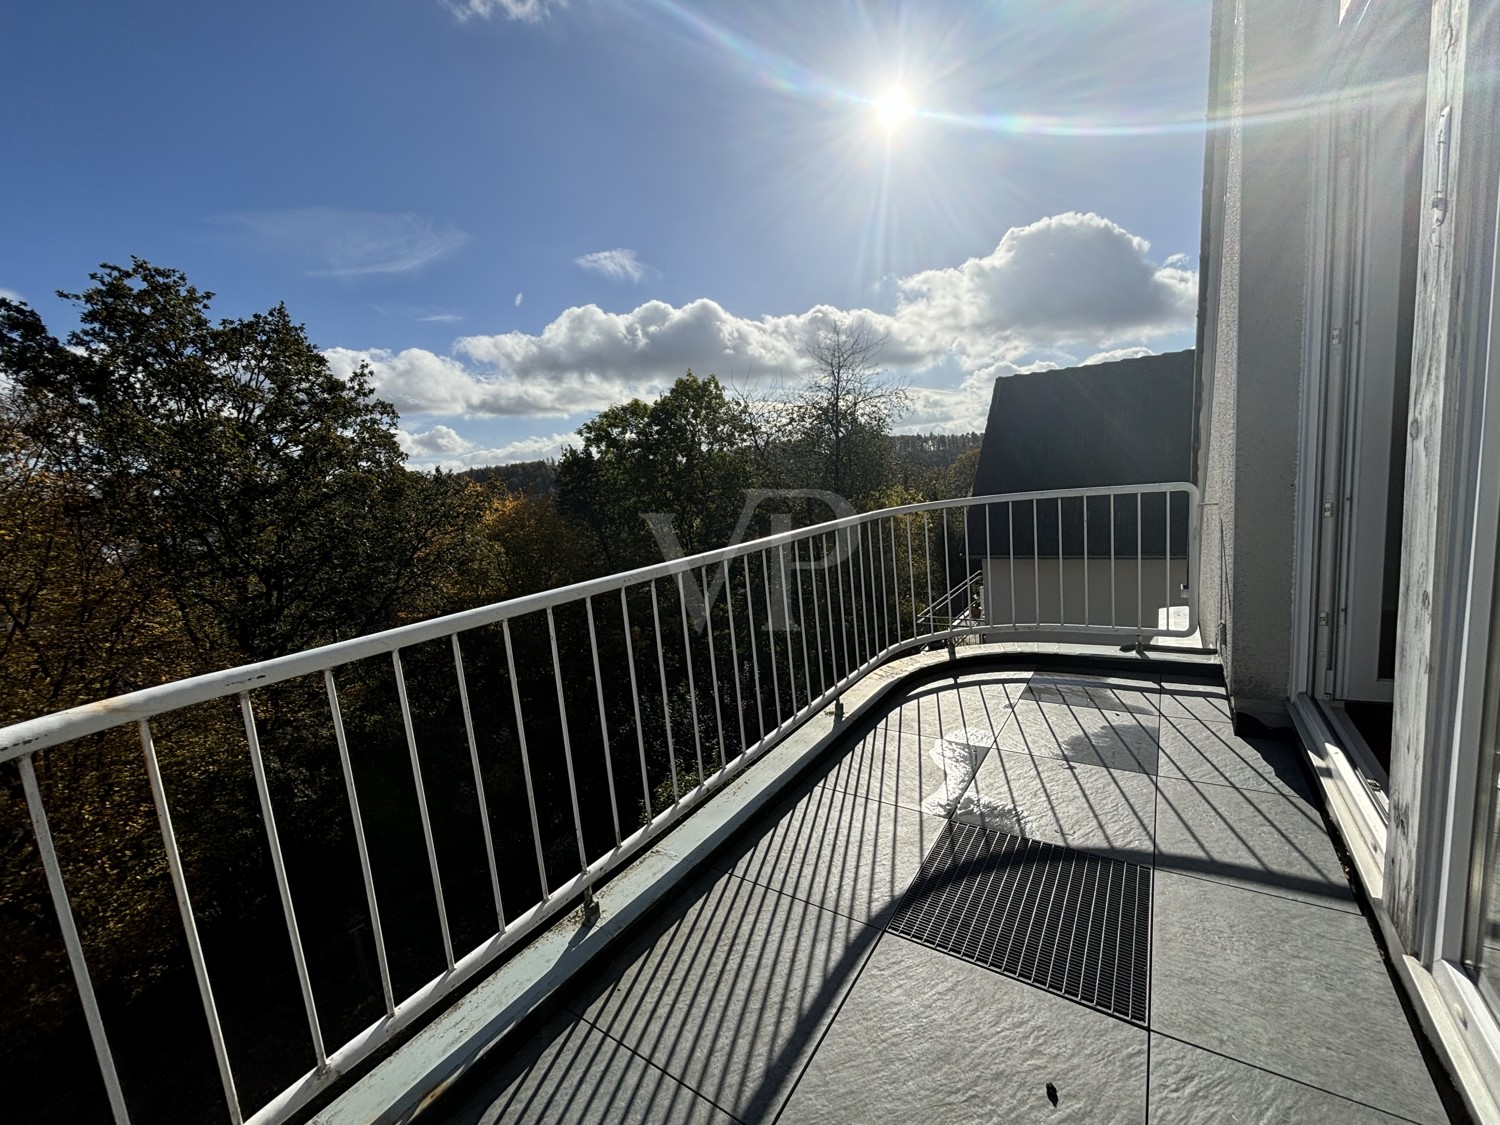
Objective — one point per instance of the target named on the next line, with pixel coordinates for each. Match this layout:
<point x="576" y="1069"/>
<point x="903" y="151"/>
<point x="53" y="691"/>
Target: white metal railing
<point x="771" y="631"/>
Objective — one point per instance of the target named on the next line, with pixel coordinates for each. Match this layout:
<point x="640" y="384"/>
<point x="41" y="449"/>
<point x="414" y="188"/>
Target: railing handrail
<point x="92" y="718"/>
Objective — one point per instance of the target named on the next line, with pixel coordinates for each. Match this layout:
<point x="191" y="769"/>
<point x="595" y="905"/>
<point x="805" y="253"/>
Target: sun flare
<point x="893" y="108"/>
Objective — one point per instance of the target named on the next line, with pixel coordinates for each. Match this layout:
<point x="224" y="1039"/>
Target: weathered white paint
<point x="1448" y="365"/>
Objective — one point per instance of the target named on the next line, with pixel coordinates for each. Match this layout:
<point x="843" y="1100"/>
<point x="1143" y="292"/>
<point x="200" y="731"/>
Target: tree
<point x="684" y="456"/>
<point x="266" y="496"/>
<point x="844" y="412"/>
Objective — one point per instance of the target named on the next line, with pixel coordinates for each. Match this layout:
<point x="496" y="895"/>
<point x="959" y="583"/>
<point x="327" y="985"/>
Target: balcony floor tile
<point x="1295" y="989"/>
<point x="731" y="990"/>
<point x="1112" y="812"/>
<point x="1269" y="842"/>
<point x="1086" y="736"/>
<point x="926" y="1037"/>
<point x="1190" y="1086"/>
<point x="572" y="1072"/>
<point x="836" y="850"/>
<point x="1195" y="750"/>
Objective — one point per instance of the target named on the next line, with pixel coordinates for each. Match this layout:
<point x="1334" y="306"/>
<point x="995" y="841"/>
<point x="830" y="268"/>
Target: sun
<point x="893" y="108"/>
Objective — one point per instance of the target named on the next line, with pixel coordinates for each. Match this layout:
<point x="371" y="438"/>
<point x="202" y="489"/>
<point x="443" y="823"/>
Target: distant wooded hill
<point x="936" y="452"/>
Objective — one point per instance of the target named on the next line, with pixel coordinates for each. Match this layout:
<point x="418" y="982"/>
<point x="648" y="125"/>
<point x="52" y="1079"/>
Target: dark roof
<point x="1127" y="422"/>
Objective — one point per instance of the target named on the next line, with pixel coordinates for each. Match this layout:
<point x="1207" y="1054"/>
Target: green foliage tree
<point x="266" y="496"/>
<point x="684" y="455"/>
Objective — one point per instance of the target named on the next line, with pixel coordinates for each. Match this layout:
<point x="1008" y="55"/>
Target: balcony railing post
<point x="734" y="656"/>
<point x="765" y="581"/>
<point x="687" y="661"/>
<point x="484" y="808"/>
<point x="515" y="697"/>
<point x="666" y="703"/>
<point x="63" y="909"/>
<point x="427" y="838"/>
<point x="635" y="697"/>
<point x="609" y="766"/>
<point x="278" y="868"/>
<point x="760" y="705"/>
<point x="713" y="661"/>
<point x="567" y="738"/>
<point x="802" y="623"/>
<point x="189" y="922"/>
<point x="342" y="741"/>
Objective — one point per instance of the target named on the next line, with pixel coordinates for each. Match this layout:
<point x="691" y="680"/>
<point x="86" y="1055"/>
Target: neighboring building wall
<point x="1256" y="234"/>
<point x="1127" y="422"/>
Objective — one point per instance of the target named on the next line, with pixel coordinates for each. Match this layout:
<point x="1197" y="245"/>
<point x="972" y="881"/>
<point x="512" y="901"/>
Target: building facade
<point x="1346" y="450"/>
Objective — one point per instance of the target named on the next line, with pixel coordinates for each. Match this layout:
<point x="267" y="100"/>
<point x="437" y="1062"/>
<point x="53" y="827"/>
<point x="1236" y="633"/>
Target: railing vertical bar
<point x="687" y="660"/>
<point x="812" y="580"/>
<point x="865" y="592"/>
<point x="765" y="582"/>
<point x="515" y="698"/>
<point x="484" y="805"/>
<point x="760" y="703"/>
<point x="1112" y="579"/>
<point x="635" y="698"/>
<point x="843" y="606"/>
<point x="802" y="620"/>
<point x="1167" y="560"/>
<point x="1086" y="618"/>
<point x="987" y="601"/>
<point x="666" y="707"/>
<point x="734" y="654"/>
<point x="887" y="585"/>
<point x="786" y="620"/>
<point x="1062" y="613"/>
<point x="63" y="909"/>
<point x="609" y="766"/>
<point x="1140" y="534"/>
<point x="968" y="561"/>
<point x="893" y="599"/>
<point x="927" y="563"/>
<point x="911" y="576"/>
<point x="567" y="736"/>
<point x="342" y="741"/>
<point x="1036" y="560"/>
<point x="1010" y="540"/>
<point x="416" y="769"/>
<point x="189" y="924"/>
<point x="283" y="887"/>
<point x="948" y="569"/>
<point x="713" y="660"/>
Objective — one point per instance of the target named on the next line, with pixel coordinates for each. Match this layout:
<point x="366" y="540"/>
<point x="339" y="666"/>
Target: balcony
<point x="1037" y="878"/>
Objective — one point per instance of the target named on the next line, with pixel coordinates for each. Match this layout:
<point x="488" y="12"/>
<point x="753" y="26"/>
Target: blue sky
<point x="520" y="211"/>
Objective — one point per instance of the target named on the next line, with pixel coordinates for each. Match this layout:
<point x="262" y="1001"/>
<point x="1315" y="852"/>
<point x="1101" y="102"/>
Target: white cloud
<point x="1117" y="354"/>
<point x="12" y="295"/>
<point x="617" y="265"/>
<point x="1072" y="280"/>
<point x="439" y="439"/>
<point x="518" y="299"/>
<point x="442" y="318"/>
<point x="1179" y="261"/>
<point x="526" y="11"/>
<point x="427" y="451"/>
<point x="336" y="242"/>
<point x="538" y="448"/>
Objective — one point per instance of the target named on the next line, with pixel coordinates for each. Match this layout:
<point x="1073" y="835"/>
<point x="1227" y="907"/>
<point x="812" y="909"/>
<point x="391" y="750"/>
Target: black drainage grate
<point x="1068" y="921"/>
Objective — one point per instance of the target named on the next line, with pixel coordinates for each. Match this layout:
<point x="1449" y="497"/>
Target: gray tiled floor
<point x="770" y="991"/>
